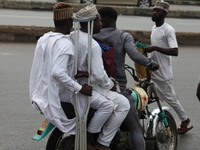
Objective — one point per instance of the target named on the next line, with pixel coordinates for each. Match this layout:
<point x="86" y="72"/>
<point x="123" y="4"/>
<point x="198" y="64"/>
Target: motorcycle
<point x="159" y="126"/>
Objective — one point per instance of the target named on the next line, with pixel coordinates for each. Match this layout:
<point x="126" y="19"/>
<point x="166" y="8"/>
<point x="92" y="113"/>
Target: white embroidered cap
<point x="162" y="5"/>
<point x="88" y="11"/>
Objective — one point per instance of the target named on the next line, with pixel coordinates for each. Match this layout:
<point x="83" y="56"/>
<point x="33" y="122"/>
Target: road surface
<point x="44" y="19"/>
<point x="19" y="121"/>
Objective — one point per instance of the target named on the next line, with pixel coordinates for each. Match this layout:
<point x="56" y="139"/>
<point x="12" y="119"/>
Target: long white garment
<point x="99" y="80"/>
<point x="102" y="98"/>
<point x="50" y="78"/>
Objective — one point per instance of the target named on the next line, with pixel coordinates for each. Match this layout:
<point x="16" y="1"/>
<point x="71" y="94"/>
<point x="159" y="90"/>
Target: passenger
<point x="123" y="44"/>
<point x="163" y="46"/>
<point x="103" y="86"/>
<point x="52" y="71"/>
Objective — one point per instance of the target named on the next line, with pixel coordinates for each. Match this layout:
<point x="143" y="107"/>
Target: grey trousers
<point x="132" y="124"/>
<point x="166" y="92"/>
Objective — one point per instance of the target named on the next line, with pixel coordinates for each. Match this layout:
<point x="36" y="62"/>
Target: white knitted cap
<point x="162" y="5"/>
<point x="88" y="11"/>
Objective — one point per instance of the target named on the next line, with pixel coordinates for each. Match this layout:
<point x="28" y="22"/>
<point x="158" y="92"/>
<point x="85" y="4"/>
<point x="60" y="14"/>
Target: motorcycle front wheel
<point x="166" y="138"/>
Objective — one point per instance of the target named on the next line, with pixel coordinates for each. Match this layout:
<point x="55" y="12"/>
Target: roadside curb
<point x="32" y="33"/>
<point x="124" y="10"/>
<point x="189" y="3"/>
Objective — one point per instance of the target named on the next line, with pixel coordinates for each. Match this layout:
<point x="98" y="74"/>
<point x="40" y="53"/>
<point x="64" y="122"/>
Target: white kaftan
<point x="112" y="107"/>
<point x="50" y="78"/>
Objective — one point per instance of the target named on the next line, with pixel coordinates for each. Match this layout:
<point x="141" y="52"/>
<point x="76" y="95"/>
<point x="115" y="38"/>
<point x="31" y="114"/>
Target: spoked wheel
<point x="58" y="141"/>
<point x="166" y="138"/>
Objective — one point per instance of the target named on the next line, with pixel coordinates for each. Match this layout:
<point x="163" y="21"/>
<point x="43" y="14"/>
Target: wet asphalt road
<point x="19" y="121"/>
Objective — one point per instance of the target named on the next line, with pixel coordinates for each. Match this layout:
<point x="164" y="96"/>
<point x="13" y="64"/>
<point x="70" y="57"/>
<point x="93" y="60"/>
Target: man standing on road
<point x="52" y="71"/>
<point x="163" y="46"/>
<point x="123" y="43"/>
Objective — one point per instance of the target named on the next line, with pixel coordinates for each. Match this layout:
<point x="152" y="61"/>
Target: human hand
<point x="86" y="90"/>
<point x="153" y="66"/>
<point x="149" y="49"/>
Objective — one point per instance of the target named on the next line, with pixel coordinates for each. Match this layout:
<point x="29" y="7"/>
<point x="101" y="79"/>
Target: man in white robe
<point x="102" y="84"/>
<point x="52" y="72"/>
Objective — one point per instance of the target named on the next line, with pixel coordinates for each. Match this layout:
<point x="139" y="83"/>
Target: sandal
<point x="184" y="127"/>
<point x="184" y="130"/>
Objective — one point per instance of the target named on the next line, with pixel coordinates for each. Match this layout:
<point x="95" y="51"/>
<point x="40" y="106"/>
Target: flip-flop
<point x="184" y="130"/>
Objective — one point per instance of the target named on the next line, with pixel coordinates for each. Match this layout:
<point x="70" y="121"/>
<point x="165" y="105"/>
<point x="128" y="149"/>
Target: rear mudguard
<point x="43" y="131"/>
<point x="153" y="120"/>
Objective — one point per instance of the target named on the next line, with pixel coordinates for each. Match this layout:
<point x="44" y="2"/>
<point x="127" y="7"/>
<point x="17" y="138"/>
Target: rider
<point x="52" y="71"/>
<point x="123" y="43"/>
<point x="101" y="83"/>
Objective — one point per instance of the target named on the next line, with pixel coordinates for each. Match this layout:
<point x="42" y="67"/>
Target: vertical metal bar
<point x="76" y="47"/>
<point x="81" y="127"/>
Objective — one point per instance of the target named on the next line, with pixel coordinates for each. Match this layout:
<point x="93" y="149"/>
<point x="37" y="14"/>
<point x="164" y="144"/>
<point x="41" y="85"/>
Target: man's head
<point x="62" y="13"/>
<point x="87" y="12"/>
<point x="108" y="17"/>
<point x="160" y="11"/>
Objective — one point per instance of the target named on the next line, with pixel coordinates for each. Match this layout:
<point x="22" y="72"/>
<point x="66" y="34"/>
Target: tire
<point x="57" y="141"/>
<point x="121" y="141"/>
<point x="163" y="141"/>
<point x="144" y="3"/>
<point x="60" y="141"/>
<point x="68" y="143"/>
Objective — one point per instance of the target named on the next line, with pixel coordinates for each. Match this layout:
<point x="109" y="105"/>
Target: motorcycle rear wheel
<point x="58" y="141"/>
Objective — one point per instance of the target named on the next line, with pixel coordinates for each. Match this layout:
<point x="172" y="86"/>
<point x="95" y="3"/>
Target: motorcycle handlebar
<point x="132" y="73"/>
